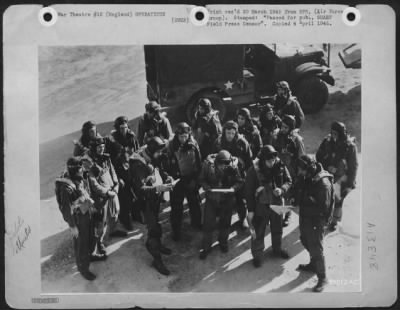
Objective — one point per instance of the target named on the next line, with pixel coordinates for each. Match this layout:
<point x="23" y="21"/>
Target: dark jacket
<point x="270" y="178"/>
<point x="143" y="175"/>
<point x="117" y="143"/>
<point x="341" y="155"/>
<point x="212" y="177"/>
<point x="267" y="126"/>
<point x="102" y="178"/>
<point x="149" y="128"/>
<point x="206" y="130"/>
<point x="239" y="148"/>
<point x="81" y="147"/>
<point x="182" y="161"/>
<point x="72" y="196"/>
<point x="252" y="135"/>
<point x="290" y="147"/>
<point x="290" y="107"/>
<point x="315" y="195"/>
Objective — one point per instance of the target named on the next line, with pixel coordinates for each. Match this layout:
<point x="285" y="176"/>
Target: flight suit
<point x="341" y="155"/>
<point x="183" y="162"/>
<point x="77" y="209"/>
<point x="218" y="204"/>
<point x="239" y="148"/>
<point x="316" y="201"/>
<point x="260" y="182"/>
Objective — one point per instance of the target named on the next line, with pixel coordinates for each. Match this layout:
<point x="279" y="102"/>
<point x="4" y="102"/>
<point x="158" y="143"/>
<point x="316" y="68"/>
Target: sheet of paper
<point x="281" y="209"/>
<point x="222" y="190"/>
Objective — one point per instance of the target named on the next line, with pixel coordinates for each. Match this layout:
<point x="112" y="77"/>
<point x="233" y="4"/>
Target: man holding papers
<point x="183" y="166"/>
<point x="266" y="183"/>
<point x="220" y="179"/>
<point x="149" y="188"/>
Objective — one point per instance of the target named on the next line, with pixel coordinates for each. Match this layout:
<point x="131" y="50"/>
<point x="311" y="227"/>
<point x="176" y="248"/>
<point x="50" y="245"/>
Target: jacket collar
<point x="208" y="116"/>
<point x="320" y="174"/>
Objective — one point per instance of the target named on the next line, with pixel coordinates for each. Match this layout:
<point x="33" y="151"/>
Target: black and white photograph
<point x="200" y="168"/>
<point x="182" y="156"/>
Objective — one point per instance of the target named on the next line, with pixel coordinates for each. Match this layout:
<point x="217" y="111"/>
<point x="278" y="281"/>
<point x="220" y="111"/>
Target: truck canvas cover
<point x="183" y="64"/>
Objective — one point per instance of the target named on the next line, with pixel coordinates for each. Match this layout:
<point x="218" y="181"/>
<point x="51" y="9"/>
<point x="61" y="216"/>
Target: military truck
<point x="235" y="74"/>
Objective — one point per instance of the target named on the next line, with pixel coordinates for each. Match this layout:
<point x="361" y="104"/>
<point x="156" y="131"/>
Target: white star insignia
<point x="228" y="85"/>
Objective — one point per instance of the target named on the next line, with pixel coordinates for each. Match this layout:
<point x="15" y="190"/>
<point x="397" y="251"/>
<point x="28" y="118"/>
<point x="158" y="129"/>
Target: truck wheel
<point x="216" y="102"/>
<point x="312" y="94"/>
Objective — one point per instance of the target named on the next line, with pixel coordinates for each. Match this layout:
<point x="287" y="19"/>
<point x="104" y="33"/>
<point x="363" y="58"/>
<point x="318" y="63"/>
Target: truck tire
<point x="312" y="94"/>
<point x="216" y="102"/>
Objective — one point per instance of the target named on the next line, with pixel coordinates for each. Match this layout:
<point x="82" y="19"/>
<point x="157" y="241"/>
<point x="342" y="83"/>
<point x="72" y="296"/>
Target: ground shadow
<point x="232" y="271"/>
<point x="299" y="280"/>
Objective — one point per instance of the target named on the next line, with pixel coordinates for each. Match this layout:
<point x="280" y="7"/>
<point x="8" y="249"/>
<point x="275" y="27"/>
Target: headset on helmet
<point x="340" y="128"/>
<point x="290" y="121"/>
<point x="231" y="125"/>
<point x="283" y="85"/>
<point x="183" y="128"/>
<point x="120" y="121"/>
<point x="223" y="157"/>
<point x="155" y="144"/>
<point x="74" y="164"/>
<point x="268" y="108"/>
<point x="87" y="126"/>
<point x="307" y="163"/>
<point x="152" y="106"/>
<point x="267" y="152"/>
<point x="205" y="103"/>
<point x="244" y="112"/>
<point x="96" y="142"/>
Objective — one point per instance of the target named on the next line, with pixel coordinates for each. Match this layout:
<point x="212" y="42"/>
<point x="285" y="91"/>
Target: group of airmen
<point x="246" y="166"/>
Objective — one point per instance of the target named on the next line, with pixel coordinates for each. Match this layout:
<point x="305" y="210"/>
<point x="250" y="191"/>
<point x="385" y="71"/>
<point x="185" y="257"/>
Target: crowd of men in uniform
<point x="244" y="166"/>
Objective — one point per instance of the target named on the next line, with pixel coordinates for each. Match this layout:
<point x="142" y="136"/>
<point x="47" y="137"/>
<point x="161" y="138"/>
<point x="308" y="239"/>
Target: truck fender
<point x="210" y="91"/>
<point x="312" y="68"/>
<point x="224" y="96"/>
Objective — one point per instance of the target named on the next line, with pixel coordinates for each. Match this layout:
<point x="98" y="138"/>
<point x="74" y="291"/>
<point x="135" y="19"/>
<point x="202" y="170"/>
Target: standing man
<point x="206" y="127"/>
<point x="249" y="131"/>
<point x="220" y="171"/>
<point x="122" y="144"/>
<point x="270" y="124"/>
<point x="315" y="199"/>
<point x="338" y="154"/>
<point x="72" y="192"/>
<point x="104" y="185"/>
<point x="89" y="132"/>
<point x="121" y="139"/>
<point x="266" y="183"/>
<point x="183" y="163"/>
<point x="153" y="124"/>
<point x="285" y="103"/>
<point x="289" y="145"/>
<point x="148" y="185"/>
<point x="237" y="146"/>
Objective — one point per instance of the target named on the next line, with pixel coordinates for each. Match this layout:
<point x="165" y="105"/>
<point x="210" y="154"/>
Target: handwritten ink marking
<point x="18" y="235"/>
<point x="19" y="243"/>
<point x="16" y="228"/>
